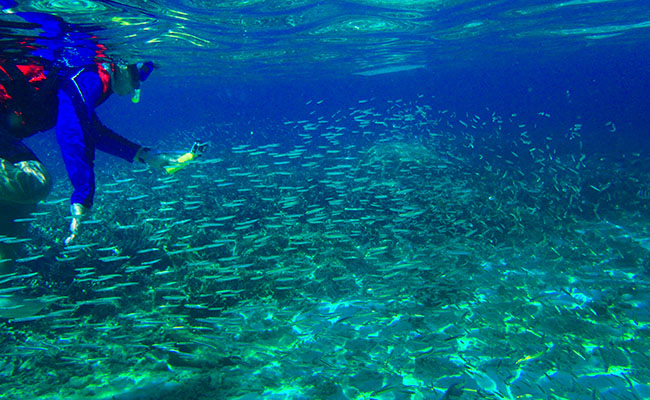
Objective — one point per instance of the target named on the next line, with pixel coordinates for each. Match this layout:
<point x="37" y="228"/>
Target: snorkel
<point x="135" y="99"/>
<point x="143" y="72"/>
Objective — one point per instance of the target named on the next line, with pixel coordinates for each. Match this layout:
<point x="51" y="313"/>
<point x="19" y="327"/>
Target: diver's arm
<point x="77" y="150"/>
<point x="108" y="141"/>
<point x="78" y="153"/>
<point x="75" y="137"/>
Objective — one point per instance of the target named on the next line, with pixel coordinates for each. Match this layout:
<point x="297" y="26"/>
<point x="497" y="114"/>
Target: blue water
<point x="401" y="200"/>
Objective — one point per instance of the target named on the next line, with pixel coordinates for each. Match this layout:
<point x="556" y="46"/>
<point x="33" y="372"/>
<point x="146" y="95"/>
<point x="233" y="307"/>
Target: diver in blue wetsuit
<point x="24" y="179"/>
<point x="57" y="80"/>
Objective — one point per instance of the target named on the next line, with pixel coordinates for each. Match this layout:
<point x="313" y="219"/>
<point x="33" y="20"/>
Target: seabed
<point x="392" y="251"/>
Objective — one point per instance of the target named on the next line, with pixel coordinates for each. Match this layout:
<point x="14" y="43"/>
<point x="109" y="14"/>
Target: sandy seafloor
<point x="387" y="251"/>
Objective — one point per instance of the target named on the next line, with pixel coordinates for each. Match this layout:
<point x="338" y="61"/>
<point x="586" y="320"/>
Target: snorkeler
<point x="57" y="79"/>
<point x="23" y="178"/>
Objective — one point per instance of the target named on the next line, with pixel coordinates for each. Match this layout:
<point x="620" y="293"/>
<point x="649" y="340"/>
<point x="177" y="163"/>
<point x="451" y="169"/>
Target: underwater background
<point x="400" y="200"/>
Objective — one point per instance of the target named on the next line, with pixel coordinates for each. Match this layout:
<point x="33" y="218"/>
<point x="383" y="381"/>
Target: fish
<point x="19" y="307"/>
<point x="390" y="69"/>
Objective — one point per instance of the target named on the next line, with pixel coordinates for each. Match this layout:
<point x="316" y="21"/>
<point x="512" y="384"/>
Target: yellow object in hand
<point x="181" y="162"/>
<point x="186" y="157"/>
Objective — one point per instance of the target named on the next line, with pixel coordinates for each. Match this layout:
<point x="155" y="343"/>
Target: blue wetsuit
<point x="79" y="132"/>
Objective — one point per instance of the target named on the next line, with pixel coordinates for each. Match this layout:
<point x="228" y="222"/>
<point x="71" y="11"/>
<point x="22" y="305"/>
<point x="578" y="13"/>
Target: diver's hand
<point x="172" y="162"/>
<point x="78" y="211"/>
<point x="160" y="160"/>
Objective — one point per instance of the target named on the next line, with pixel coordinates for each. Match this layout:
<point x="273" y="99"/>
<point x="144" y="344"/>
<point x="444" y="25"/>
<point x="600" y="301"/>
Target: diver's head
<point x="127" y="78"/>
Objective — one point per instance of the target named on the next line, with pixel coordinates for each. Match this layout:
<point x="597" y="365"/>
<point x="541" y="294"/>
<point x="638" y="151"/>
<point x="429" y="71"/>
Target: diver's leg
<point x="24" y="182"/>
<point x="22" y="185"/>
